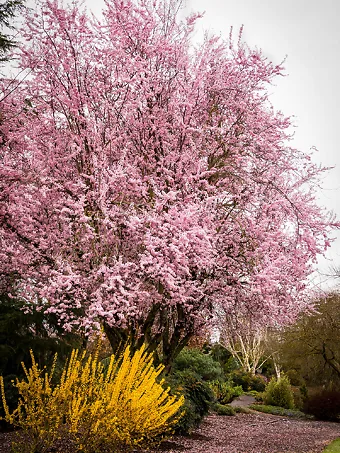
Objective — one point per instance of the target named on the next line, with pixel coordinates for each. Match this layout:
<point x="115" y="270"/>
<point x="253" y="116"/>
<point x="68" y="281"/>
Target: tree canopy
<point x="147" y="183"/>
<point x="312" y="344"/>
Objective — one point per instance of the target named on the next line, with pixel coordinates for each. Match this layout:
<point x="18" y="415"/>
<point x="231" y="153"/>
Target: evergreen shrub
<point x="22" y="328"/>
<point x="198" y="399"/>
<point x="295" y="378"/>
<point x="220" y="354"/>
<point x="225" y="392"/>
<point x="298" y="400"/>
<point x="196" y="361"/>
<point x="248" y="381"/>
<point x="279" y="393"/>
<point x="304" y="391"/>
<point x="259" y="396"/>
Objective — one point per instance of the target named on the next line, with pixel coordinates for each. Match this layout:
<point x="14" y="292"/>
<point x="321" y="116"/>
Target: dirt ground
<point x="244" y="433"/>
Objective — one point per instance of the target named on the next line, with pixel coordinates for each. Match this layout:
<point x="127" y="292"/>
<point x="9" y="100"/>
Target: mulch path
<point x="243" y="401"/>
<point x="244" y="433"/>
<point x="255" y="433"/>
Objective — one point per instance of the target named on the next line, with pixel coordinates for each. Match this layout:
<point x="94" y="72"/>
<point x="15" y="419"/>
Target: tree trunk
<point x="331" y="361"/>
<point x="165" y="332"/>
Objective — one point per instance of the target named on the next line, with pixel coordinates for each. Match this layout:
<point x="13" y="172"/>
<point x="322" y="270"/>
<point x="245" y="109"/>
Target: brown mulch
<point x="255" y="433"/>
<point x="244" y="433"/>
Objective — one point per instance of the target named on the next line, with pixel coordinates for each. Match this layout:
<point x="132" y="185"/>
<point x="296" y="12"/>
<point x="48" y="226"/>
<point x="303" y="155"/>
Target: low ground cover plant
<point x="122" y="408"/>
<point x="276" y="410"/>
<point x="221" y="409"/>
<point x="242" y="410"/>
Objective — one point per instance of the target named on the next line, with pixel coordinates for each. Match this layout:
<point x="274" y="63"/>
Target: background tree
<point x="312" y="345"/>
<point x="148" y="183"/>
<point x="246" y="340"/>
<point x="8" y="10"/>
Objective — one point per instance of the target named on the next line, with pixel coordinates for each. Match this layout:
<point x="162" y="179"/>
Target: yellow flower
<point x="124" y="406"/>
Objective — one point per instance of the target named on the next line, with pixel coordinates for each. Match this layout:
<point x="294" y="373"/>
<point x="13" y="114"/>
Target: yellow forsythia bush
<point x="117" y="409"/>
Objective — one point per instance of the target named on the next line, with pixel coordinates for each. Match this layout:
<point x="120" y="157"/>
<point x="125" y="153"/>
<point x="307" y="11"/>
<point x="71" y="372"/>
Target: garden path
<point x="243" y="401"/>
<point x="255" y="433"/>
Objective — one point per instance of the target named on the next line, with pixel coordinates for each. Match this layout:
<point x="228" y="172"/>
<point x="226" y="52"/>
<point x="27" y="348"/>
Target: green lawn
<point x="334" y="447"/>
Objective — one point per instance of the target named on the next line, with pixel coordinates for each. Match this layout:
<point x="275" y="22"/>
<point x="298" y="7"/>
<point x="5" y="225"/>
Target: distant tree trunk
<point x="330" y="361"/>
<point x="245" y="342"/>
<point x="277" y="368"/>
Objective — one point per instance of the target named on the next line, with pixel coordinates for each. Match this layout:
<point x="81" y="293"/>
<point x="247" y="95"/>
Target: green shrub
<point x="279" y="393"/>
<point x="295" y="378"/>
<point x="275" y="410"/>
<point x="268" y="368"/>
<point x="231" y="365"/>
<point x="198" y="398"/>
<point x="298" y="400"/>
<point x="220" y="354"/>
<point x="190" y="420"/>
<point x="259" y="396"/>
<point x="225" y="392"/>
<point x="248" y="381"/>
<point x="303" y="392"/>
<point x="324" y="405"/>
<point x="202" y="364"/>
<point x="300" y="396"/>
<point x="220" y="409"/>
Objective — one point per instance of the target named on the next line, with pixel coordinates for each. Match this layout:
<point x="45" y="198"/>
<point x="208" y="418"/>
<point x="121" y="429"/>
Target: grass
<point x="274" y="410"/>
<point x="333" y="447"/>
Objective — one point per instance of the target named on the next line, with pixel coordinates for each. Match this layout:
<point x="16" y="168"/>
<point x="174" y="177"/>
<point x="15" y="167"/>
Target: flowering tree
<point x="147" y="183"/>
